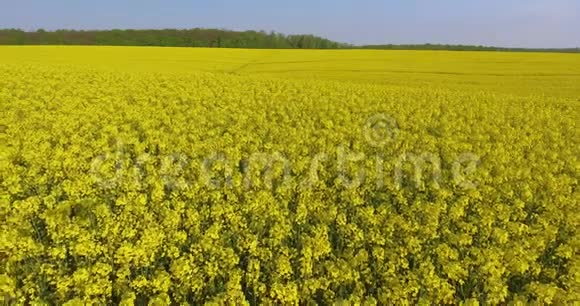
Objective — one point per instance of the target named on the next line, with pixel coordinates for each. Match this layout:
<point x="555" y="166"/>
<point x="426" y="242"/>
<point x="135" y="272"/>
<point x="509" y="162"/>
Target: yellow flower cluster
<point x="158" y="188"/>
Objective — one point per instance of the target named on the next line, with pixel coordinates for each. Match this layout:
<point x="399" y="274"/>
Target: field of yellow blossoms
<point x="163" y="176"/>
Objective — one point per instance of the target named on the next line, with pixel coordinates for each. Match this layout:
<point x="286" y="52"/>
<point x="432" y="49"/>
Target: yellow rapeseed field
<point x="227" y="176"/>
<point x="512" y="73"/>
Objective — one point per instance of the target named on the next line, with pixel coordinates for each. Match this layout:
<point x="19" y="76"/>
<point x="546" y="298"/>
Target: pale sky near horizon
<point x="504" y="23"/>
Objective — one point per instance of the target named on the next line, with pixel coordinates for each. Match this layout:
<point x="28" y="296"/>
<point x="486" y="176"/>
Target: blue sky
<point x="506" y="23"/>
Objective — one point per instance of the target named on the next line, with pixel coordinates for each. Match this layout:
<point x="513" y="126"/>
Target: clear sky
<point x="506" y="23"/>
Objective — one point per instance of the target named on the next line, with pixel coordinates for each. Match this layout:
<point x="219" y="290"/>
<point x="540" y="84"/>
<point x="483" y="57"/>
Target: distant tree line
<point x="466" y="48"/>
<point x="213" y="38"/>
<point x="216" y="38"/>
